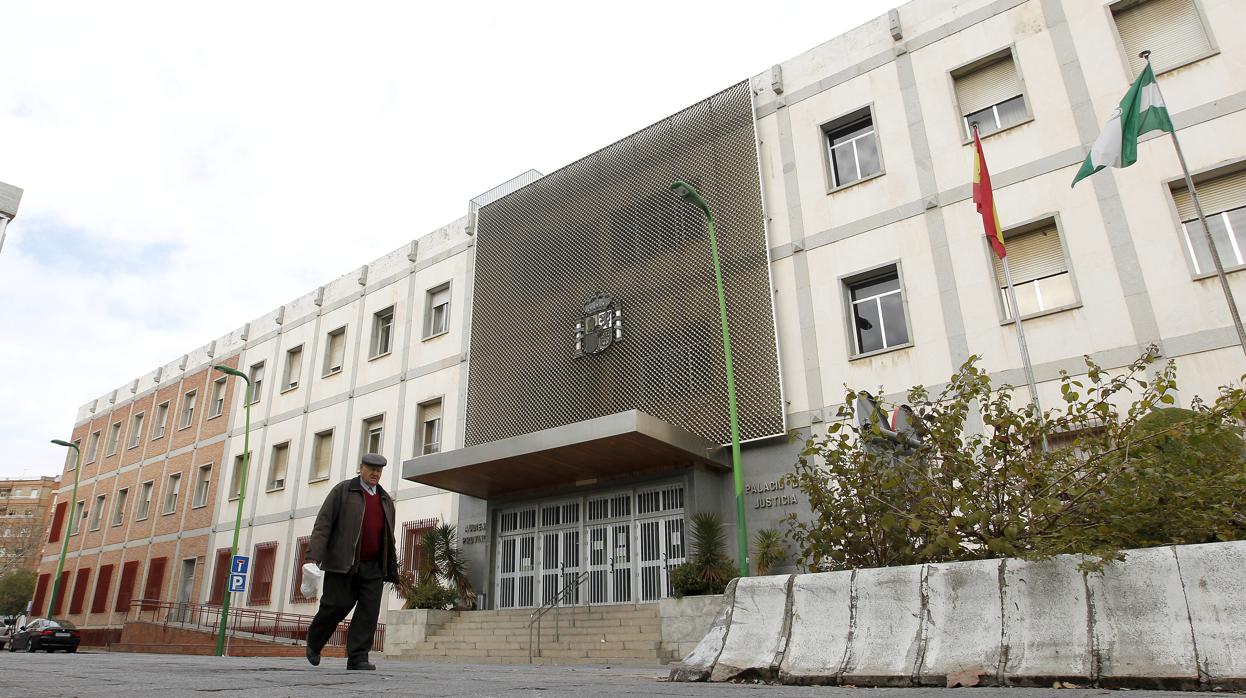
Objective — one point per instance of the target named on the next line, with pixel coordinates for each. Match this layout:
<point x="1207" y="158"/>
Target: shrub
<point x="1113" y="467"/>
<point x="769" y="550"/>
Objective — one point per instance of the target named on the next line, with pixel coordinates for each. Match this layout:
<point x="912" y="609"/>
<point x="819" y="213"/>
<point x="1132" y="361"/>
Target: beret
<point x="374" y="459"/>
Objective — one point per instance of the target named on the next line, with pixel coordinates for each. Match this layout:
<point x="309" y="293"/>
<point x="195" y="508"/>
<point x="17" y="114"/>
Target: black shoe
<point x="313" y="658"/>
<point x="361" y="666"/>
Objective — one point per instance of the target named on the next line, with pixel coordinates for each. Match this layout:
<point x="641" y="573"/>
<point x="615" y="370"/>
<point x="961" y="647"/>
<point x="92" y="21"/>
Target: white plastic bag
<point x="312" y="574"/>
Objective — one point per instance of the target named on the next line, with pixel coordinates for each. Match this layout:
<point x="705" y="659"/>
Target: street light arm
<point x="689" y="193"/>
<point x="233" y="372"/>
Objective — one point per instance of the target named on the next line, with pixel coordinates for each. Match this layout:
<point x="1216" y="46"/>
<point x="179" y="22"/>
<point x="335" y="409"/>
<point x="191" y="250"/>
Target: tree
<point x="1124" y="471"/>
<point x="16" y="590"/>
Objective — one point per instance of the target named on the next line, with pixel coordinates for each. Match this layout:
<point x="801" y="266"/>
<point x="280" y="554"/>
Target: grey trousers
<point x="342" y="592"/>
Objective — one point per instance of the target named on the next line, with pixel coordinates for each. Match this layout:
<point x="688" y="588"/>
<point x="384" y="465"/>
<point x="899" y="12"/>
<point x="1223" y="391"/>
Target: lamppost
<point x="242" y="493"/>
<point x="73" y="498"/>
<point x="689" y="193"/>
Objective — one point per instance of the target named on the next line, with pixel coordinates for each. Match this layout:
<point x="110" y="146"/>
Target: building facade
<point x="10" y="198"/>
<point x="25" y="507"/>
<point x="546" y="373"/>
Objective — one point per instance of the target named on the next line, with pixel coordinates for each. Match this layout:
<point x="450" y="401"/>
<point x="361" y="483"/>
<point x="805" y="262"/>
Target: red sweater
<point x="372" y="537"/>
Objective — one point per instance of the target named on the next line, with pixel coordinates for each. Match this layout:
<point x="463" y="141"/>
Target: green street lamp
<point x="242" y="493"/>
<point x="689" y="193"/>
<point x="60" y="565"/>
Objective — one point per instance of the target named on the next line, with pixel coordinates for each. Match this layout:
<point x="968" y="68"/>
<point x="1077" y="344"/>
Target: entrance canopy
<point x="605" y="448"/>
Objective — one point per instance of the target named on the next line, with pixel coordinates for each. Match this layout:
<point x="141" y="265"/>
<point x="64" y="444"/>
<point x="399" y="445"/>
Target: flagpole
<point x="1016" y="314"/>
<point x="1211" y="243"/>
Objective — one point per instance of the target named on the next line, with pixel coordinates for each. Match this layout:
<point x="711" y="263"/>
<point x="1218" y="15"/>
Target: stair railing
<point x="554" y="605"/>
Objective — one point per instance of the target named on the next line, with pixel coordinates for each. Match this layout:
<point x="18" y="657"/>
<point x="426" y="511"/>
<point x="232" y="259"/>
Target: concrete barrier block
<point x="1214" y="577"/>
<point x="1046" y="623"/>
<point x="698" y="663"/>
<point x="758" y="634"/>
<point x="964" y="623"/>
<point x="885" y="628"/>
<point x="821" y="626"/>
<point x="1141" y="626"/>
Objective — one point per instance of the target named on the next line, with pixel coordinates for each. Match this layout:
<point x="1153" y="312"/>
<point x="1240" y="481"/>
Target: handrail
<point x="275" y="624"/>
<point x="553" y="604"/>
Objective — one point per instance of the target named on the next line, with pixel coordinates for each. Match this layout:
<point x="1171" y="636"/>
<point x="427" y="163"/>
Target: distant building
<point x="10" y="197"/>
<point x="547" y="372"/>
<point x="25" y="505"/>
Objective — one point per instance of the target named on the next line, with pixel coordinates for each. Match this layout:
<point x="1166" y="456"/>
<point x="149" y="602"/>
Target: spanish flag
<point x="984" y="198"/>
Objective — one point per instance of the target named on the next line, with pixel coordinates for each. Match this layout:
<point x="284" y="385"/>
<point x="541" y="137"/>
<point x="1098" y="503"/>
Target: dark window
<point x="155" y="584"/>
<point x="296" y="594"/>
<point x="60" y="596"/>
<point x="413" y="543"/>
<point x="878" y="312"/>
<point x="99" y="603"/>
<point x="853" y="149"/>
<point x="41" y="591"/>
<point x="58" y="520"/>
<point x="125" y="589"/>
<point x="262" y="578"/>
<point x="80" y="590"/>
<point x="219" y="576"/>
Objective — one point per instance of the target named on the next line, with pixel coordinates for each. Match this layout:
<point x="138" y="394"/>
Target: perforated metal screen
<point x="607" y="224"/>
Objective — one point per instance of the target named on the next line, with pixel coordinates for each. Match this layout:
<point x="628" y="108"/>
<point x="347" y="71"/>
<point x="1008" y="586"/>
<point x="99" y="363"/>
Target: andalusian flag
<point x="1142" y="111"/>
<point x="985" y="199"/>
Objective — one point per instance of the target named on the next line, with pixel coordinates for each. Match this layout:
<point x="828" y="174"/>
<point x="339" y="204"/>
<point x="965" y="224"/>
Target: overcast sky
<point x="188" y="167"/>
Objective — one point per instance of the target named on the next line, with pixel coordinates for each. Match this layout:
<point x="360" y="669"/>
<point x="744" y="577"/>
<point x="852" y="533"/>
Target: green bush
<point x="769" y="550"/>
<point x="1113" y="467"/>
<point x="709" y="569"/>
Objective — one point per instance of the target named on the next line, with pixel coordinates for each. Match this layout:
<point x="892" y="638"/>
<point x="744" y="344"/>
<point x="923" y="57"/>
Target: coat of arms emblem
<point x="600" y="326"/>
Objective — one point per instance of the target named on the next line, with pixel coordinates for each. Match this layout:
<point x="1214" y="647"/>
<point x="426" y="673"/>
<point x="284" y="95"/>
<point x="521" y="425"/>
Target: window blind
<point x="1032" y="255"/>
<point x="1172" y="29"/>
<point x="987" y="86"/>
<point x="1224" y="193"/>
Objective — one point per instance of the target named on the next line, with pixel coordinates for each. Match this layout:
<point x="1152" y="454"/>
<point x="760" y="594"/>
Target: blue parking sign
<point x="237" y="582"/>
<point x="240" y="565"/>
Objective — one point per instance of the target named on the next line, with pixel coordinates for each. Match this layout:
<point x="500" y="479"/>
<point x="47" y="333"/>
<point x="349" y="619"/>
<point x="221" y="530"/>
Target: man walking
<point x="353" y="541"/>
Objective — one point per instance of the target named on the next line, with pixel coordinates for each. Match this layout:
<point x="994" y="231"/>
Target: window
<point x="413" y="533"/>
<point x="155" y="583"/>
<point x="118" y="507"/>
<point x="878" y="319"/>
<point x="58" y="520"/>
<point x="257" y="381"/>
<point x="97" y="512"/>
<point x="93" y="445"/>
<point x="162" y="420"/>
<point x="852" y="148"/>
<point x="75" y="521"/>
<point x="1224" y="204"/>
<point x="382" y="332"/>
<point x="171" y="492"/>
<point x="262" y="577"/>
<point x="989" y="94"/>
<point x="373" y="435"/>
<point x="219" y="575"/>
<point x="322" y="455"/>
<point x="296" y="595"/>
<point x="136" y="430"/>
<point x="217" y="404"/>
<point x="144" y="502"/>
<point x="236" y="477"/>
<point x="437" y="311"/>
<point x="335" y="351"/>
<point x="1039" y="273"/>
<point x="429" y="429"/>
<point x="203" y="482"/>
<point x="188" y="410"/>
<point x="277" y="466"/>
<point x="80" y="590"/>
<point x="294" y="368"/>
<point x="71" y="457"/>
<point x="114" y="437"/>
<point x="1175" y="26"/>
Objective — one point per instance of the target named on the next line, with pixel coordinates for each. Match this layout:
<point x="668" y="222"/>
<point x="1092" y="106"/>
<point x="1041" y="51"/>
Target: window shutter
<point x="1170" y="28"/>
<point x="296" y="589"/>
<point x="219" y="575"/>
<point x="41" y="590"/>
<point x="987" y="86"/>
<point x="60" y="596"/>
<point x="1224" y="193"/>
<point x="125" y="590"/>
<point x="80" y="590"/>
<point x="1032" y="255"/>
<point x="262" y="579"/>
<point x="99" y="604"/>
<point x="58" y="520"/>
<point x="155" y="583"/>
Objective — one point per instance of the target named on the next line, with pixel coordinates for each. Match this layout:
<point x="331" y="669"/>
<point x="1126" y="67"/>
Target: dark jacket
<point x="335" y="535"/>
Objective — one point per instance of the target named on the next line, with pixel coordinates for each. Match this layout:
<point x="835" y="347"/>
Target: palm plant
<point x="443" y="561"/>
<point x="768" y="550"/>
<point x="709" y="569"/>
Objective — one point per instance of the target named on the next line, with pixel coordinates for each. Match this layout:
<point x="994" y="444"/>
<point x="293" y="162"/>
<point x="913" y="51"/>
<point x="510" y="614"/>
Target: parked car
<point x="5" y="631"/>
<point x="46" y="634"/>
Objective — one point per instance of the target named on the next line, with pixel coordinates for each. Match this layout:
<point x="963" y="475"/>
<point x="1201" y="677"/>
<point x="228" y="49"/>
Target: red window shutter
<point x="80" y="590"/>
<point x="296" y="590"/>
<point x="99" y="603"/>
<point x="125" y="590"/>
<point x="60" y="597"/>
<point x="219" y="575"/>
<point x="413" y="542"/>
<point x="41" y="592"/>
<point x="262" y="575"/>
<point x="58" y="520"/>
<point x="155" y="583"/>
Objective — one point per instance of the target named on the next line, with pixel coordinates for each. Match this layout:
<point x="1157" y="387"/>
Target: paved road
<point x="91" y="675"/>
